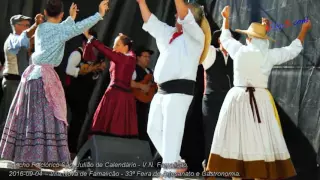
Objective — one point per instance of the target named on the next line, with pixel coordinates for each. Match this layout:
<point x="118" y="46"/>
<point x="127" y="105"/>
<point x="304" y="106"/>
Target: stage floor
<point x="7" y="170"/>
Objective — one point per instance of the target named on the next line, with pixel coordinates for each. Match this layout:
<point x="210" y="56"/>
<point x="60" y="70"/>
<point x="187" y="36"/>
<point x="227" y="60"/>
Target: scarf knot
<point x="174" y="36"/>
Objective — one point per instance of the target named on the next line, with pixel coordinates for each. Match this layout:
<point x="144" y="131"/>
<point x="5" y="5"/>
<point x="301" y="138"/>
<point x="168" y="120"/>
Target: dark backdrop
<point x="123" y="17"/>
<point x="295" y="84"/>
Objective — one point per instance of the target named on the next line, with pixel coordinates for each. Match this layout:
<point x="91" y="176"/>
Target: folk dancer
<point x="248" y="140"/>
<point x="181" y="48"/>
<point x="36" y="128"/>
<point x="16" y="60"/>
<point x="116" y="113"/>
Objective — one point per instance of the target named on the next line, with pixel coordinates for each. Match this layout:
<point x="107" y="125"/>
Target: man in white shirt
<point x="81" y="79"/>
<point x="16" y="59"/>
<point x="181" y="48"/>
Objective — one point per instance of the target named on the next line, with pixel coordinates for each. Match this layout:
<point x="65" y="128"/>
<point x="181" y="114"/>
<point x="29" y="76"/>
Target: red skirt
<point x="116" y="114"/>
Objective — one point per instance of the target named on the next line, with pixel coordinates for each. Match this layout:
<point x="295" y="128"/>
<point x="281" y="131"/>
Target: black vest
<point x="141" y="73"/>
<point x="219" y="75"/>
<point x="83" y="84"/>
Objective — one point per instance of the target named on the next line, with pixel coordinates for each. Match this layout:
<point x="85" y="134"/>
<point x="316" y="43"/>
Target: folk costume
<point x="175" y="73"/>
<point x="248" y="139"/>
<point x="116" y="113"/>
<point x="218" y="81"/>
<point x="36" y="127"/>
<point x="77" y="86"/>
<point x="16" y="61"/>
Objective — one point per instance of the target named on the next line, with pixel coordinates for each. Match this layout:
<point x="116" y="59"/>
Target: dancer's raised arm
<point x="182" y="8"/>
<point x="191" y="16"/>
<point x="38" y="20"/>
<point x="71" y="29"/>
<point x="145" y="12"/>
<point x="287" y="53"/>
<point x="229" y="43"/>
<point x="159" y="30"/>
<point x="111" y="54"/>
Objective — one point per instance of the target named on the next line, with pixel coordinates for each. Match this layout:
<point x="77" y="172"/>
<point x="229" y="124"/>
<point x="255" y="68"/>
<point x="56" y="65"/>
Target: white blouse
<point x="251" y="67"/>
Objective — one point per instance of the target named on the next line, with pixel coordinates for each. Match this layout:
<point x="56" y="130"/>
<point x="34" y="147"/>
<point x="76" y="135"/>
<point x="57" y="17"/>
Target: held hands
<point x="39" y="19"/>
<point x="226" y="12"/>
<point x="86" y="34"/>
<point x="103" y="7"/>
<point x="73" y="11"/>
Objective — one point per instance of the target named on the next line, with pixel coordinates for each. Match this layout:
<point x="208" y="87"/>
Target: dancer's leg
<point x="155" y="123"/>
<point x="175" y="110"/>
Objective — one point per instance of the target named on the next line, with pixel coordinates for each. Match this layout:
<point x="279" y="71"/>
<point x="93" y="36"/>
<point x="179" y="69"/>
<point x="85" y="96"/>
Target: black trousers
<point x="211" y="105"/>
<point x="1" y="92"/>
<point x="78" y="96"/>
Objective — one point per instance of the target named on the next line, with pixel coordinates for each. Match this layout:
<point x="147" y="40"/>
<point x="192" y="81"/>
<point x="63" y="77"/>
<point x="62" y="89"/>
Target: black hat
<point x="142" y="49"/>
<point x="17" y="18"/>
<point x="216" y="36"/>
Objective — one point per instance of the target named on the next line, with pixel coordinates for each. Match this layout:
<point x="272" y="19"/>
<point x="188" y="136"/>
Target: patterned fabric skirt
<point x="244" y="147"/>
<point x="32" y="134"/>
<point x="116" y="114"/>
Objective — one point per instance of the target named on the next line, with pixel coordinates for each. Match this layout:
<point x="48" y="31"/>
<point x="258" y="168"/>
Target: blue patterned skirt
<point x="32" y="134"/>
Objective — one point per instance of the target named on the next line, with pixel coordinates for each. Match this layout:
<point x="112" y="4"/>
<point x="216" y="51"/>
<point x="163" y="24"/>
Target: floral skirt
<point x="32" y="133"/>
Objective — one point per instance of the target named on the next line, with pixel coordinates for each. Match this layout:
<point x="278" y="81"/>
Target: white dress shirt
<point x="134" y="75"/>
<point x="73" y="64"/>
<point x="180" y="59"/>
<point x="211" y="58"/>
<point x="251" y="67"/>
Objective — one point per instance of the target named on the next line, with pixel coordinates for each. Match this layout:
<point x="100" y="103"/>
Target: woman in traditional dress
<point x="248" y="142"/>
<point x="116" y="113"/>
<point x="36" y="127"/>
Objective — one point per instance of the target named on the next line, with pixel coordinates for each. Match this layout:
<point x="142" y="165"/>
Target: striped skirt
<point x="245" y="147"/>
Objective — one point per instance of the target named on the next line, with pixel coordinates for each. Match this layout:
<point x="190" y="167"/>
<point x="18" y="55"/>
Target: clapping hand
<point x="73" y="11"/>
<point x="39" y="19"/>
<point x="226" y="12"/>
<point x="307" y="25"/>
<point x="103" y="7"/>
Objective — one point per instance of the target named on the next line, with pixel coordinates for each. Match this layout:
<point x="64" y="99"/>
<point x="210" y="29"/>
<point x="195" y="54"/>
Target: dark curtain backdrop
<point x="295" y="85"/>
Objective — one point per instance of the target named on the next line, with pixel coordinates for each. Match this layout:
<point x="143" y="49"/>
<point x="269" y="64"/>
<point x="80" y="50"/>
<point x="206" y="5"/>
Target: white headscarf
<point x="262" y="45"/>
